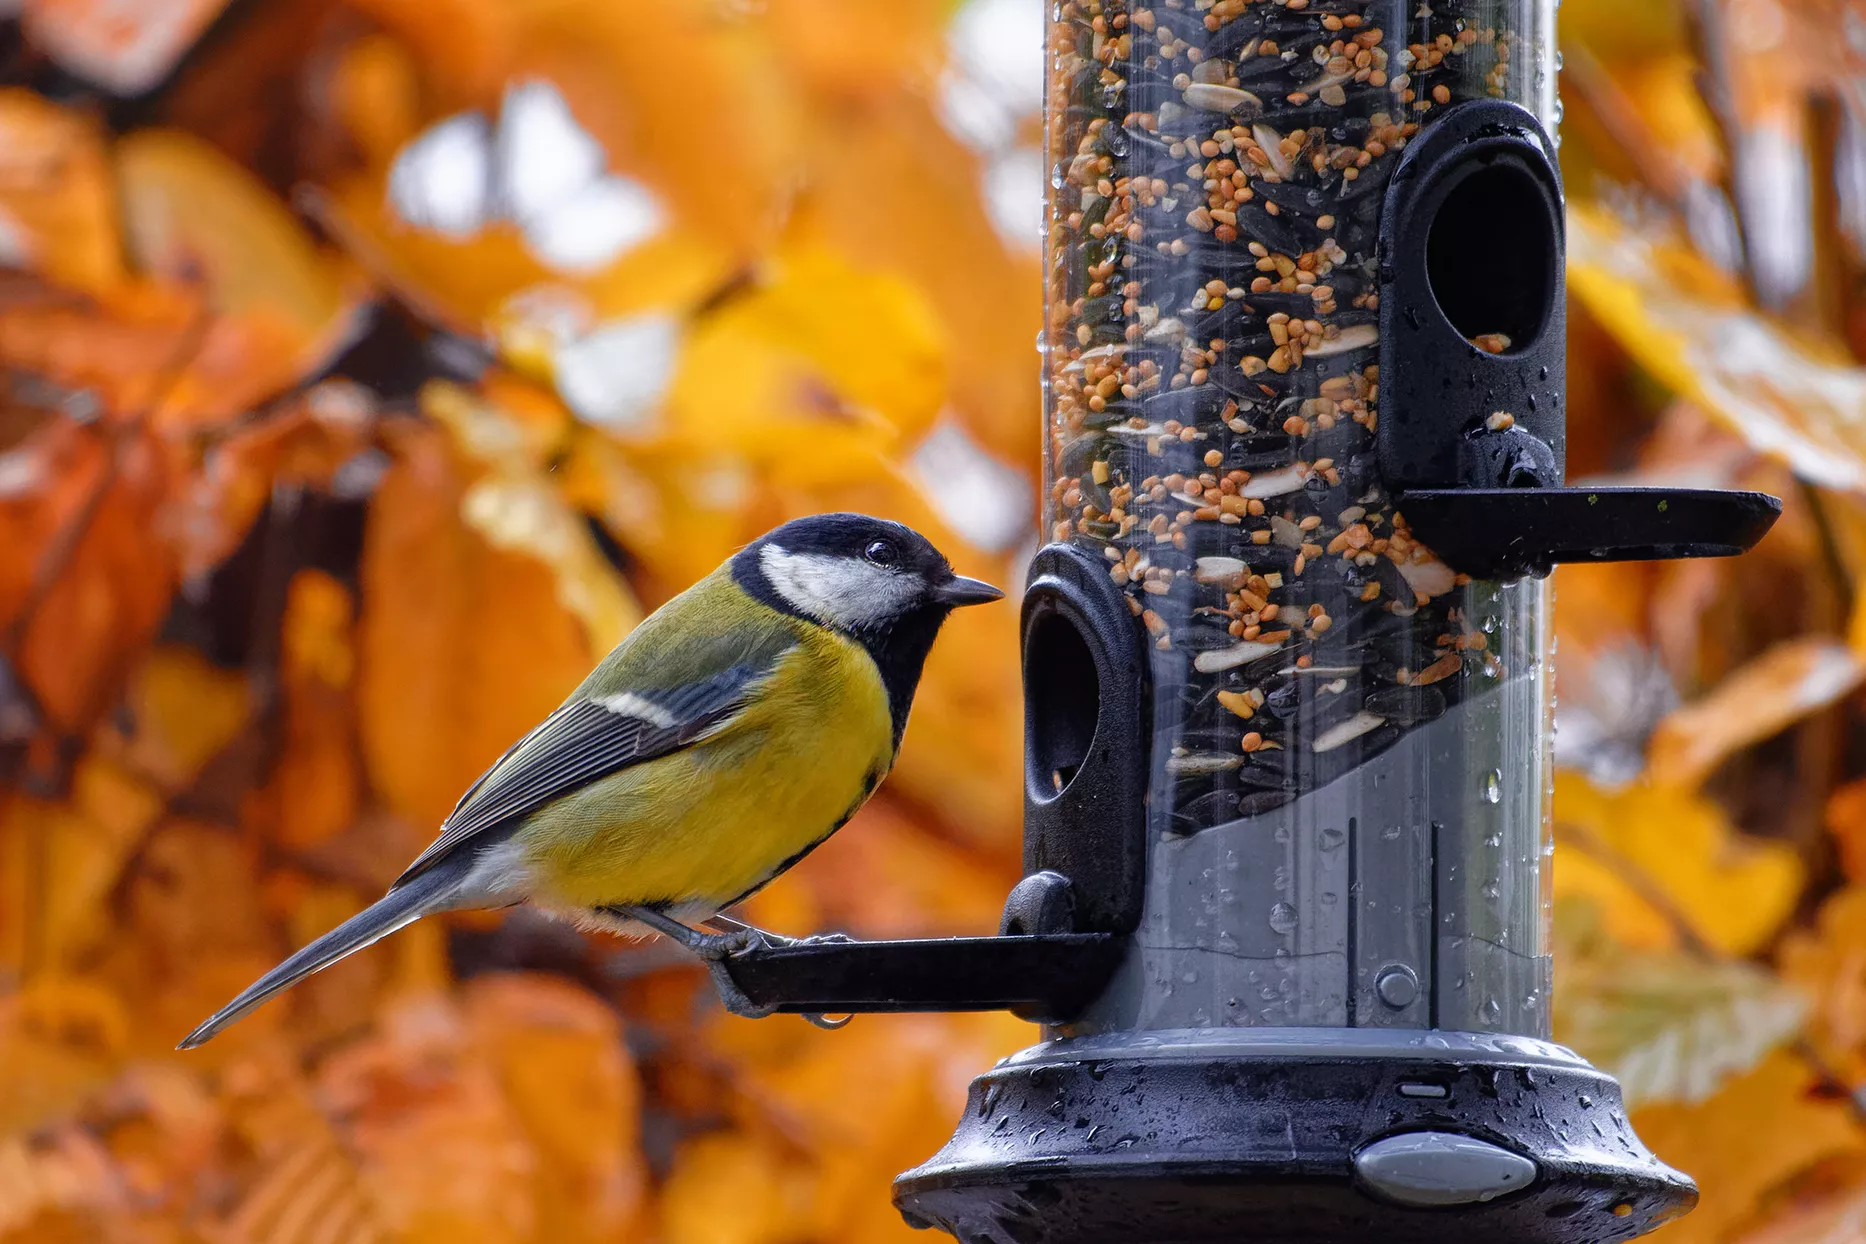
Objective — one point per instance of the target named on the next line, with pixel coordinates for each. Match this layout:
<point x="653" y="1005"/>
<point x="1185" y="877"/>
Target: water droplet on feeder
<point x="1283" y="918"/>
<point x="1493" y="786"/>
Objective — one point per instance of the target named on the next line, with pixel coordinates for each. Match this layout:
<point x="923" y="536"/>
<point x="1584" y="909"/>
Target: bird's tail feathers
<point x="429" y="892"/>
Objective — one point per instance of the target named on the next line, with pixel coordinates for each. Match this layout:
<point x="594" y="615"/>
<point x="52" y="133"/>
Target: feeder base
<point x="1292" y="1135"/>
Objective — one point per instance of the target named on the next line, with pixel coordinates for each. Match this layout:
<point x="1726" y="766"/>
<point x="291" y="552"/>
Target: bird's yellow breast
<point x="707" y="825"/>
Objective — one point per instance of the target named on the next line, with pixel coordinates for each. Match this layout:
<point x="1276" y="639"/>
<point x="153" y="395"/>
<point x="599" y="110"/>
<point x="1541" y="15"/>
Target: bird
<point x="723" y="739"/>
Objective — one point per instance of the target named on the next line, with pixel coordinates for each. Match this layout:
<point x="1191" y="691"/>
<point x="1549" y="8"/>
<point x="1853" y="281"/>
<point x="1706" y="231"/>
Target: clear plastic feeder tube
<point x="1350" y="758"/>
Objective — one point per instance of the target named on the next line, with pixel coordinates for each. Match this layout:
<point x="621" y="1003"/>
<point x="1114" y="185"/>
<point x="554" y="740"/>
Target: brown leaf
<point x="1788" y="682"/>
<point x="1829" y="963"/>
<point x="1825" y="1204"/>
<point x="304" y="443"/>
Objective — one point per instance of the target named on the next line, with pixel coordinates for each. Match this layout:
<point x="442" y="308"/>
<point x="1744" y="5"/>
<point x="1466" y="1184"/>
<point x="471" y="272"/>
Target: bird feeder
<point x="1286" y="657"/>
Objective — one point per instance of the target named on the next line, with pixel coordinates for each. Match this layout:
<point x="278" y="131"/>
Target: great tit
<point x="729" y="734"/>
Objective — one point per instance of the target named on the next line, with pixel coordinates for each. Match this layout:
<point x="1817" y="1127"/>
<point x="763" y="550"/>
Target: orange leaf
<point x="1829" y="963"/>
<point x="463" y="646"/>
<point x="769" y="1196"/>
<point x="1762" y="1127"/>
<point x="195" y="216"/>
<point x="97" y="575"/>
<point x="315" y="787"/>
<point x="191" y="934"/>
<point x="441" y="1150"/>
<point x="560" y="1056"/>
<point x="58" y="208"/>
<point x="1846" y="821"/>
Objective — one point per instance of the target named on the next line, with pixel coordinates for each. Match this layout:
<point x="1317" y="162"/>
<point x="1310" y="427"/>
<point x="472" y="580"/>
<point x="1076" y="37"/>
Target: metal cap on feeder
<point x="1287" y="700"/>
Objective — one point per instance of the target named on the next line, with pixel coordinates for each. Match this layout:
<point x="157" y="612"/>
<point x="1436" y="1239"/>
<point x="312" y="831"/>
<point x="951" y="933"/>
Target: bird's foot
<point x="726" y="924"/>
<point x="733" y="938"/>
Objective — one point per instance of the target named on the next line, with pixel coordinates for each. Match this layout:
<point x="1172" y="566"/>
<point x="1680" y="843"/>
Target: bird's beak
<point x="960" y="590"/>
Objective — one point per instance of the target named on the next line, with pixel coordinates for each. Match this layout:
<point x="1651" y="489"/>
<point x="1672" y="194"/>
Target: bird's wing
<point x="589" y="738"/>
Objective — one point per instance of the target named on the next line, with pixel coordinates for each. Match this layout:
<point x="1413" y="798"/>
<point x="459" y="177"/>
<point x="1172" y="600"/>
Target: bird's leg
<point x="712" y="948"/>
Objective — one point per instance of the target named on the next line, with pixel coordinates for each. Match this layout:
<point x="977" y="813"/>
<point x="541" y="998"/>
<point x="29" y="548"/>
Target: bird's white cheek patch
<point x="841" y="591"/>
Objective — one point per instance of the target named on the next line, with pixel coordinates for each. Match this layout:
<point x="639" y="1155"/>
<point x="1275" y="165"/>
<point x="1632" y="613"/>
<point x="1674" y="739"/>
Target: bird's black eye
<point x="882" y="553"/>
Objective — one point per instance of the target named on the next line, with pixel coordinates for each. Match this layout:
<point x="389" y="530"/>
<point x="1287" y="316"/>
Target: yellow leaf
<point x="880" y="204"/>
<point x="1624" y="850"/>
<point x="71" y="855"/>
<point x="1791" y="680"/>
<point x="866" y="336"/>
<point x="194" y="215"/>
<point x="1689" y="325"/>
<point x="61" y="1038"/>
<point x="184" y="710"/>
<point x="516" y="507"/>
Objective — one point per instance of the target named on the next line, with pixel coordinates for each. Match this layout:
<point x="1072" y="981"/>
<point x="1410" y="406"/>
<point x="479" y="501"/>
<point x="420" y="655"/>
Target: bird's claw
<point x="731" y="996"/>
<point x="733" y="939"/>
<point x="734" y="998"/>
<point x="718" y="947"/>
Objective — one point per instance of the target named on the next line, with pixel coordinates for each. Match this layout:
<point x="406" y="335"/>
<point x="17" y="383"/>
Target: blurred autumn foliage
<point x="368" y="367"/>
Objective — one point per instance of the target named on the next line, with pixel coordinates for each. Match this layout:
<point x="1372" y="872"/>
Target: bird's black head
<point x="878" y="582"/>
<point x="859" y="575"/>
